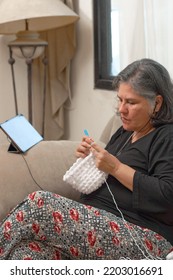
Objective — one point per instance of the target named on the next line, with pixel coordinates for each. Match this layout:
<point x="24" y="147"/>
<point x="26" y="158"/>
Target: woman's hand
<point x="104" y="160"/>
<point x="84" y="147"/>
<point x="111" y="165"/>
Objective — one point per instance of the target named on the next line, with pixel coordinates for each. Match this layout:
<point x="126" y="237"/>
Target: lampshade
<point x="40" y="15"/>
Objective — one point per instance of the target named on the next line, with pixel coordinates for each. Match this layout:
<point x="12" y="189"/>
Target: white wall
<point x="91" y="108"/>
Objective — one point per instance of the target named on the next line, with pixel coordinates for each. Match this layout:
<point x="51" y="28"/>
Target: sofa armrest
<point x="43" y="165"/>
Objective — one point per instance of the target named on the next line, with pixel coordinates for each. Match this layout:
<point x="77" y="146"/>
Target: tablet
<point x="21" y="134"/>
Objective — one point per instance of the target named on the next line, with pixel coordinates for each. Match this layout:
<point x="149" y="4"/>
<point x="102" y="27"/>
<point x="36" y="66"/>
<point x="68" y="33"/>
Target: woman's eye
<point x="130" y="102"/>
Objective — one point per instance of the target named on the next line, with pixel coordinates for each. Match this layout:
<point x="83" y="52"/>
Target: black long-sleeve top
<point x="150" y="204"/>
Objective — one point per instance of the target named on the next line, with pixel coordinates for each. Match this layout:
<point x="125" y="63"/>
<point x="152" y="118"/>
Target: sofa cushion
<point x="43" y="165"/>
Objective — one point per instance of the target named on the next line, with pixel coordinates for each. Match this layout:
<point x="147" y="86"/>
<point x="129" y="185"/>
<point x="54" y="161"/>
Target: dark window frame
<point x="102" y="44"/>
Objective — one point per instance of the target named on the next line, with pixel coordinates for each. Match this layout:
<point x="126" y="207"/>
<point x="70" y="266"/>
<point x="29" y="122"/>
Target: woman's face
<point x="135" y="111"/>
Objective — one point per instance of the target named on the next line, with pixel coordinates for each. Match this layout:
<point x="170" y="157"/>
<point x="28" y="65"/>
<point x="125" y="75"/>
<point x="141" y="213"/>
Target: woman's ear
<point x="158" y="103"/>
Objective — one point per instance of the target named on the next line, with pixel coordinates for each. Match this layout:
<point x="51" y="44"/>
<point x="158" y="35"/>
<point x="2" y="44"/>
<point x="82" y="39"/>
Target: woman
<point x="130" y="215"/>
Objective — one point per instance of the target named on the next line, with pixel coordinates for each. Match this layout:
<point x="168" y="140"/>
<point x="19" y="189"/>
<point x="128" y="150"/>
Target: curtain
<point x="131" y="30"/>
<point x="145" y="31"/>
<point x="158" y="28"/>
<point x="60" y="51"/>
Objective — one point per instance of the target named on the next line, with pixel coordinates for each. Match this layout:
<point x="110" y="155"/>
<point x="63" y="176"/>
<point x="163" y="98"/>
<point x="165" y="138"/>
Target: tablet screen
<point x="21" y="132"/>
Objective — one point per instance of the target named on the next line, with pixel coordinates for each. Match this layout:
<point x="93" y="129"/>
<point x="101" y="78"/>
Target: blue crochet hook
<point x="86" y="132"/>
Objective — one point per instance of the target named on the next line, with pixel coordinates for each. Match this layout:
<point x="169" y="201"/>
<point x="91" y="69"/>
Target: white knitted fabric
<point x="84" y="176"/>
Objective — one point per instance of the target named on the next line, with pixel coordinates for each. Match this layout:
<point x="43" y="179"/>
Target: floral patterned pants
<point x="49" y="226"/>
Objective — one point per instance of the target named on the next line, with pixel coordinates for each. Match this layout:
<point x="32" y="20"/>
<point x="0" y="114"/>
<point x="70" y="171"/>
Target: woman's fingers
<point x="84" y="147"/>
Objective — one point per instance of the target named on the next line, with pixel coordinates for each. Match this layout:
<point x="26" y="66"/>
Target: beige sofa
<point x="43" y="166"/>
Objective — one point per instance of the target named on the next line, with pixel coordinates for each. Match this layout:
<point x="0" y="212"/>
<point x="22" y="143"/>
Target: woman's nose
<point x="122" y="107"/>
